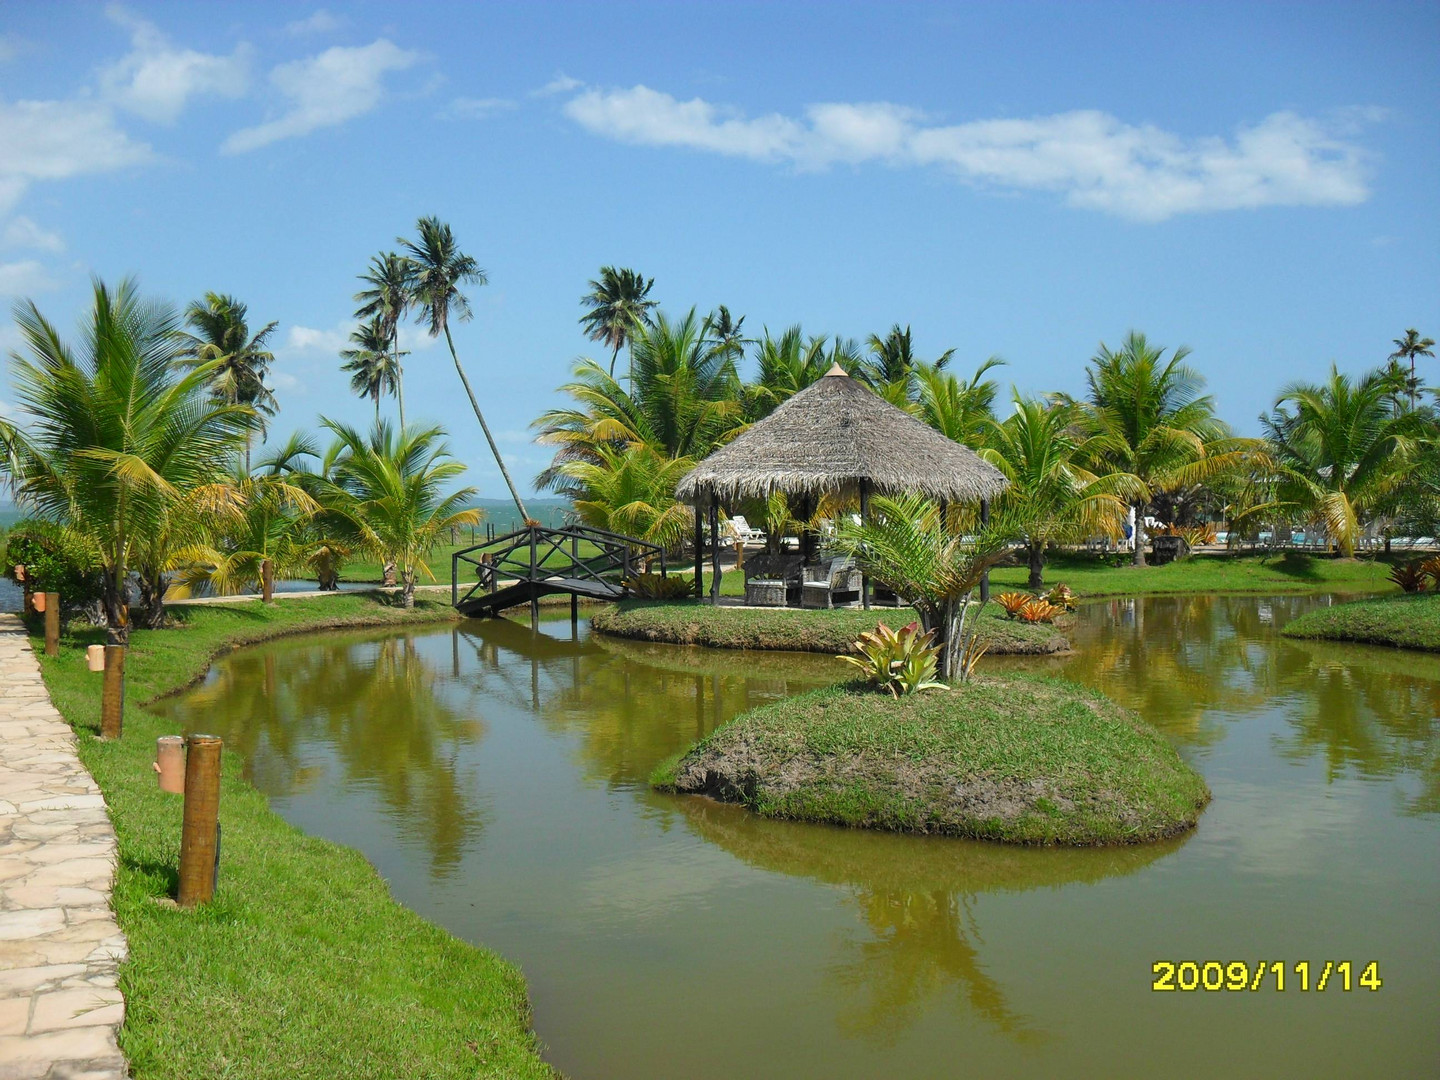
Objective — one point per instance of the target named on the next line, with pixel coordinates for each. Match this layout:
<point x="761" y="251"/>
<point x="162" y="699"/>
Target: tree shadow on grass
<point x="1298" y="566"/>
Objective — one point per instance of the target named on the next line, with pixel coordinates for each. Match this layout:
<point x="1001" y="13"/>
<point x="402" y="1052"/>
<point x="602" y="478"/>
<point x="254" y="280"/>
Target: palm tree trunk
<point x="400" y="374"/>
<point x="407" y="591"/>
<point x="1139" y="537"/>
<point x="524" y="514"/>
<point x="1037" y="565"/>
<point x="613" y="355"/>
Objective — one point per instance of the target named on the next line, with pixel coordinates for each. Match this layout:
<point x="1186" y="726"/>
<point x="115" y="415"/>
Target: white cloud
<point x="337" y="85"/>
<point x="322" y="22"/>
<point x="468" y="108"/>
<point x="1095" y="160"/>
<point x="53" y="140"/>
<point x="21" y="232"/>
<point x="308" y="339"/>
<point x="24" y="278"/>
<point x="561" y="84"/>
<point x="156" y="80"/>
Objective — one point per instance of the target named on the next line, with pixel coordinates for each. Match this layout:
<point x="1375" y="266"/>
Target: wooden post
<point x="52" y="624"/>
<point x="699" y="553"/>
<point x="714" y="550"/>
<point x="267" y="581"/>
<point x="112" y="693"/>
<point x="200" y="831"/>
<point x="985" y="577"/>
<point x="574" y="597"/>
<point x="864" y="517"/>
<point x="534" y="596"/>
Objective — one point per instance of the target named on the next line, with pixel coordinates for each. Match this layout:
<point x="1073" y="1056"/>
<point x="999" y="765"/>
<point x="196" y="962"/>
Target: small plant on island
<point x="648" y="586"/>
<point x="901" y="661"/>
<point x="1411" y="576"/>
<point x="1012" y="602"/>
<point x="1036" y="610"/>
<point x="1062" y="596"/>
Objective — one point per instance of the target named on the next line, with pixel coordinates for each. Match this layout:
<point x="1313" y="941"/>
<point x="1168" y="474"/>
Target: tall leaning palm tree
<point x="437" y="270"/>
<point x="374" y="369"/>
<point x="618" y="304"/>
<point x="238" y="361"/>
<point x="118" y="438"/>
<point x="386" y="299"/>
<point x="1408" y="348"/>
<point x="1149" y="418"/>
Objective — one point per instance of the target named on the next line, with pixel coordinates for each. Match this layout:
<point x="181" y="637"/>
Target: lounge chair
<point x="739" y="531"/>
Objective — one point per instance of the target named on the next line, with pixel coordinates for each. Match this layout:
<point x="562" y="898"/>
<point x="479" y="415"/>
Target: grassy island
<point x="689" y="623"/>
<point x="1407" y="621"/>
<point x="304" y="966"/>
<point x="1021" y="759"/>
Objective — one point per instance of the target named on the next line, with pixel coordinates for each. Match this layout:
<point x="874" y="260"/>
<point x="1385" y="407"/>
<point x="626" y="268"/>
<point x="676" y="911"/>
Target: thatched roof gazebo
<point x="837" y="436"/>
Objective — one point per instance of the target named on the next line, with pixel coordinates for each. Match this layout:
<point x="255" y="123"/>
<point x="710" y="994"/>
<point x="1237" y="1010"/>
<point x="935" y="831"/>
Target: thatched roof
<point x="832" y="435"/>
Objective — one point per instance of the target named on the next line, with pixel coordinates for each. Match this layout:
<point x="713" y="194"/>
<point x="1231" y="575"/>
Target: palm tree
<point x="891" y="368"/>
<point x="117" y="438"/>
<point x="260" y="536"/>
<point x="683" y="400"/>
<point x="1039" y="448"/>
<point x="631" y="490"/>
<point x="390" y="486"/>
<point x="374" y="368"/>
<point x="790" y="363"/>
<point x="726" y="333"/>
<point x="1148" y="417"/>
<point x="959" y="411"/>
<point x="1408" y="348"/>
<point x="1341" y="449"/>
<point x="437" y="270"/>
<point x="221" y="336"/>
<point x="906" y="546"/>
<point x="387" y="299"/>
<point x="618" y="305"/>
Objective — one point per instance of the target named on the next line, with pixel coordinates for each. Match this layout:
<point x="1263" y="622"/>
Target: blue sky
<point x="1261" y="183"/>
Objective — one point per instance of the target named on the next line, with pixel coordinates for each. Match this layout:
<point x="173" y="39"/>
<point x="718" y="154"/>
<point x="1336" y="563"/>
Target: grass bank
<point x="1020" y="759"/>
<point x="689" y="623"/>
<point x="1407" y="621"/>
<point x="1290" y="572"/>
<point x="303" y="966"/>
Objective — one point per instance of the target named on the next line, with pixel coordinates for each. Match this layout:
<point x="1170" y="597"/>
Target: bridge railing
<point x="536" y="553"/>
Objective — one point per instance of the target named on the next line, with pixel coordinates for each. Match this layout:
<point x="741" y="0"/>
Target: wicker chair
<point x="772" y="580"/>
<point x="838" y="580"/>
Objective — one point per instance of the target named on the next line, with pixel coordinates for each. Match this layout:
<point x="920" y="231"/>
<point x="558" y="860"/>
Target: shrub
<point x="55" y="560"/>
<point x="1431" y="569"/>
<point x="654" y="587"/>
<point x="1409" y="576"/>
<point x="1012" y="602"/>
<point x="1062" y="596"/>
<point x="902" y="662"/>
<point x="1038" y="610"/>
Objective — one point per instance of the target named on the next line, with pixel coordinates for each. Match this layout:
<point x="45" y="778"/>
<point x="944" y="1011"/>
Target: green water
<point x="497" y="780"/>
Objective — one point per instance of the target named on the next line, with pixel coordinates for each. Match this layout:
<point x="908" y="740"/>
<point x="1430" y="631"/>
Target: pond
<point x="497" y="779"/>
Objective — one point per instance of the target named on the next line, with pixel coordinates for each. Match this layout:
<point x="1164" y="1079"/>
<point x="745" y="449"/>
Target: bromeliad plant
<point x="1012" y="602"/>
<point x="902" y="662"/>
<point x="1062" y="596"/>
<point x="654" y="587"/>
<point x="1037" y="610"/>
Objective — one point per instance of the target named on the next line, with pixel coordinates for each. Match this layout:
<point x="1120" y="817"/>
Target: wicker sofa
<point x="773" y="580"/>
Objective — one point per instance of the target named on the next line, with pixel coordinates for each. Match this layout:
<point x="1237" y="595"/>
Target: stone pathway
<point x="60" y="947"/>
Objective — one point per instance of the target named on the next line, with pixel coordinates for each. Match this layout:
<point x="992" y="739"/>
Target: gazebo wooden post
<point x="714" y="549"/>
<point x="699" y="549"/>
<point x="985" y="577"/>
<point x="864" y="517"/>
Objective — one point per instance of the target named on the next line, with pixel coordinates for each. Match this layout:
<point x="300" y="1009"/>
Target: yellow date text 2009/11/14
<point x="1240" y="975"/>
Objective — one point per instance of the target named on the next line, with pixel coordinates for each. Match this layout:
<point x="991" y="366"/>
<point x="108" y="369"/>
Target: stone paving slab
<point x="60" y="947"/>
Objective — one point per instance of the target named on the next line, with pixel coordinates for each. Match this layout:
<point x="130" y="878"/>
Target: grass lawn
<point x="829" y="631"/>
<point x="1409" y="621"/>
<point x="303" y="966"/>
<point x="1018" y="759"/>
<point x="1290" y="572"/>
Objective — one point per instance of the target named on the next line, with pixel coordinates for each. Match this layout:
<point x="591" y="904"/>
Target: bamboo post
<point x="267" y="581"/>
<point x="52" y="624"/>
<point x="200" y="831"/>
<point x="699" y="552"/>
<point x="574" y="597"/>
<point x="714" y="550"/>
<point x="534" y="596"/>
<point x="985" y="577"/>
<point x="112" y="693"/>
<point x="865" y="517"/>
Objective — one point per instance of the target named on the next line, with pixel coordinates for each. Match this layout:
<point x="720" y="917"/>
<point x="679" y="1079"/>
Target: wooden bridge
<point x="529" y="563"/>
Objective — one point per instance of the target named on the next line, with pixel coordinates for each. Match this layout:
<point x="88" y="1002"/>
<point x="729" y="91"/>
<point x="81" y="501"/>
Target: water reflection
<point x="370" y="707"/>
<point x="917" y="899"/>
